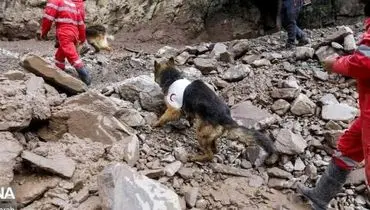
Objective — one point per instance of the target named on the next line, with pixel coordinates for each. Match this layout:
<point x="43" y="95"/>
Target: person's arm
<point x="50" y="13"/>
<point x="356" y="65"/>
<point x="81" y="29"/>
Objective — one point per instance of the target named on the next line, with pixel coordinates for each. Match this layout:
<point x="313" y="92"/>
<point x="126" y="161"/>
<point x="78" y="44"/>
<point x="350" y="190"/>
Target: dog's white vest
<point x="175" y="95"/>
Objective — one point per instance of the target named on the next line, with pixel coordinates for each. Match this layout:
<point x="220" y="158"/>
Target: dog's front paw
<point x="157" y="124"/>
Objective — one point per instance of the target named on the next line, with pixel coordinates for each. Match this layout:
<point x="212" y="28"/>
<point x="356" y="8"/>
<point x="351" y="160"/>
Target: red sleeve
<point x="356" y="65"/>
<point x="81" y="29"/>
<point x="50" y="13"/>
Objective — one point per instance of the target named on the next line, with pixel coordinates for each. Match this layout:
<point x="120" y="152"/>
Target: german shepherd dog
<point x="96" y="36"/>
<point x="206" y="111"/>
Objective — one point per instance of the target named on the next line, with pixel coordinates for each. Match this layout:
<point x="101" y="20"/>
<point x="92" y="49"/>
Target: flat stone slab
<point x="57" y="78"/>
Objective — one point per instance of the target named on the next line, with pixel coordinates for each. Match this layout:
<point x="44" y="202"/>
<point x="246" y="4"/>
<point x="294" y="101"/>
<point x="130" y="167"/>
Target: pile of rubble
<point x="97" y="149"/>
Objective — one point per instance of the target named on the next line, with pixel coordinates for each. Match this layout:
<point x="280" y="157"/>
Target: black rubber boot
<point x="329" y="185"/>
<point x="303" y="41"/>
<point x="84" y="75"/>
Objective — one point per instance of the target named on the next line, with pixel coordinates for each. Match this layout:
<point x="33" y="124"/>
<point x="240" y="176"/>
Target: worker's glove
<point x="40" y="36"/>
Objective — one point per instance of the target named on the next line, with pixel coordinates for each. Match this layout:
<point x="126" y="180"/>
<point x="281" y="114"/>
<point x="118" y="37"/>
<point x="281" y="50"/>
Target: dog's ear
<point x="171" y="62"/>
<point x="156" y="66"/>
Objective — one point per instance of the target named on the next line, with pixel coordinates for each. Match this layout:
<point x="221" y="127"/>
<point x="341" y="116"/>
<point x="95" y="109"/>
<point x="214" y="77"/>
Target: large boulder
<point x="9" y="150"/>
<point x="121" y="187"/>
<point x="89" y="115"/>
<point x="53" y="76"/>
<point x="249" y="115"/>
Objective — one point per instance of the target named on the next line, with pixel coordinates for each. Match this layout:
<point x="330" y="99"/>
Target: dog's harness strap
<point x="175" y="95"/>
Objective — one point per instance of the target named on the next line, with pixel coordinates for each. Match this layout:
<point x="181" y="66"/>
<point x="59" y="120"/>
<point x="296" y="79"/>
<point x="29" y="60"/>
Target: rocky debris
<point x="279" y="183"/>
<point x="239" y="48"/>
<point x="249" y="115"/>
<point x="32" y="187"/>
<point x="290" y="143"/>
<point x="332" y="137"/>
<point x="299" y="165"/>
<point x="279" y="173"/>
<point x="192" y="73"/>
<point x="181" y="154"/>
<point x="9" y="150"/>
<point x="338" y="112"/>
<point x="236" y="73"/>
<point x="92" y="203"/>
<point x="321" y="75"/>
<point x="356" y="177"/>
<point x="280" y="107"/>
<point x="60" y="165"/>
<point x="324" y="52"/>
<point x="205" y="65"/>
<point x="285" y="93"/>
<point x="302" y="105"/>
<point x="143" y="89"/>
<point x="57" y="78"/>
<point x="261" y="62"/>
<point x="304" y="53"/>
<point x="117" y="182"/>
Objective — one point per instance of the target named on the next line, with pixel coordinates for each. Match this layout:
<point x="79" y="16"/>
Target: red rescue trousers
<point x="67" y="50"/>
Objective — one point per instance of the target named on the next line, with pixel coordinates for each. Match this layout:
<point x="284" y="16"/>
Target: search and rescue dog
<point x="206" y="111"/>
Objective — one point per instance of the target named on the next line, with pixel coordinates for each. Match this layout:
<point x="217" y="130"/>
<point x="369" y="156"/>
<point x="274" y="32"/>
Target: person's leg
<point x="68" y="46"/>
<point x="290" y="21"/>
<point x="349" y="153"/>
<point x="60" y="59"/>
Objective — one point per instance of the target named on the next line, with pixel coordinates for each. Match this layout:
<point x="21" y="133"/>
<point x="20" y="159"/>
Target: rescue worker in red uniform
<point x="354" y="145"/>
<point x="70" y="32"/>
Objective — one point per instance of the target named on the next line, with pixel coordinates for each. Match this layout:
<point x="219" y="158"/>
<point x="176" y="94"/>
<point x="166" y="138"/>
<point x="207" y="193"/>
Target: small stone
<point x="201" y="203"/>
<point x="328" y="99"/>
<point x="285" y="93"/>
<point x="321" y="75"/>
<point x="324" y="52"/>
<point x="331" y="125"/>
<point x="337" y="46"/>
<point x="299" y="165"/>
<point x="93" y="203"/>
<point x="349" y="43"/>
<point x="246" y="164"/>
<point x="338" y="112"/>
<point x="182" y="58"/>
<point x="288" y="67"/>
<point x="356" y="177"/>
<point x="224" y="169"/>
<point x="278" y="183"/>
<point x="192" y="73"/>
<point x="311" y="171"/>
<point x="220" y="53"/>
<point x="332" y="137"/>
<point x="191" y="196"/>
<point x="279" y="173"/>
<point x="256" y="155"/>
<point x="289" y="166"/>
<point x="261" y="62"/>
<point x="249" y="59"/>
<point x="290" y="143"/>
<point x="82" y="195"/>
<point x="236" y="73"/>
<point x="256" y="181"/>
<point x="153" y="174"/>
<point x="172" y="168"/>
<point x="280" y="107"/>
<point x="302" y="105"/>
<point x="360" y="200"/>
<point x="167" y="52"/>
<point x="186" y="173"/>
<point x="181" y="154"/>
<point x="304" y="53"/>
<point x="205" y="65"/>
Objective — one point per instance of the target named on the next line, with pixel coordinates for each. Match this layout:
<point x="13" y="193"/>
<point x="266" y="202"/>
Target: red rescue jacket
<point x="80" y="4"/>
<point x="357" y="66"/>
<point x="67" y="18"/>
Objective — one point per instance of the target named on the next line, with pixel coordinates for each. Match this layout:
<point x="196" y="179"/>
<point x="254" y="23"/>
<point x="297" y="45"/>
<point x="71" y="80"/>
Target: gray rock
<point x="349" y="43"/>
<point x="302" y="105"/>
<point x="332" y="137"/>
<point x="246" y="164"/>
<point x="338" y="112"/>
<point x="279" y="173"/>
<point x="304" y="53"/>
<point x="191" y="196"/>
<point x="288" y="67"/>
<point x="356" y="177"/>
<point x="153" y="174"/>
<point x="324" y="52"/>
<point x="93" y="203"/>
<point x="288" y="166"/>
<point x="311" y="171"/>
<point x="337" y="46"/>
<point x="205" y="65"/>
<point x="236" y="73"/>
<point x="14" y="75"/>
<point x="181" y="154"/>
<point x="224" y="169"/>
<point x="261" y="62"/>
<point x="290" y="143"/>
<point x="285" y="93"/>
<point x="59" y="79"/>
<point x="182" y="58"/>
<point x="9" y="150"/>
<point x="321" y="75"/>
<point x="131" y="117"/>
<point x="186" y="173"/>
<point x="249" y="59"/>
<point x="279" y="183"/>
<point x="144" y="89"/>
<point x="249" y="115"/>
<point x="60" y="164"/>
<point x="299" y="165"/>
<point x="167" y="52"/>
<point x="192" y="73"/>
<point x="126" y="149"/>
<point x="256" y="181"/>
<point x="331" y="125"/>
<point x="328" y="99"/>
<point x="280" y="107"/>
<point x="220" y="53"/>
<point x="172" y="168"/>
<point x="239" y="48"/>
<point x="116" y="185"/>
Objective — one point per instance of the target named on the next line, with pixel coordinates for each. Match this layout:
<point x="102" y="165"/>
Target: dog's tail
<point x="251" y="137"/>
